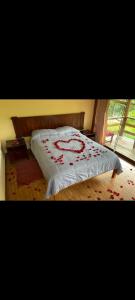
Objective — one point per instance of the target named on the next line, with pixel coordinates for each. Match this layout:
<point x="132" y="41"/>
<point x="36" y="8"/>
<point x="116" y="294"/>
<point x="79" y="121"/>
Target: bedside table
<point x="16" y="149"/>
<point x="89" y="134"/>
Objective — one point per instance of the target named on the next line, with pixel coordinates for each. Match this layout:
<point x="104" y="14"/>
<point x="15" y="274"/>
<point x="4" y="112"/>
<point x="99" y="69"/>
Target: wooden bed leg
<point x="114" y="173"/>
<point x="54" y="198"/>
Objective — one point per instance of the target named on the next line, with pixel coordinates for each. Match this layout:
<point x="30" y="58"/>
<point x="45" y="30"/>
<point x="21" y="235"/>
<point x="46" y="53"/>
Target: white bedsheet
<point x="62" y="172"/>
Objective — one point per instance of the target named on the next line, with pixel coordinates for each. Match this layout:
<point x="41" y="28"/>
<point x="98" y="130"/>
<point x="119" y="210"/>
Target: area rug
<point x="27" y="171"/>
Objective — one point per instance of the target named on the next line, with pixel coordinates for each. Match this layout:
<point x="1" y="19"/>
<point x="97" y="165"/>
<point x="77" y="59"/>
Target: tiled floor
<point x="124" y="146"/>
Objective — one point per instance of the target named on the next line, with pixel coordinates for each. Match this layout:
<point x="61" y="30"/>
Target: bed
<point x="66" y="156"/>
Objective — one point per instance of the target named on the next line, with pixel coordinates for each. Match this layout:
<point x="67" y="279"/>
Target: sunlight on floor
<point x="124" y="146"/>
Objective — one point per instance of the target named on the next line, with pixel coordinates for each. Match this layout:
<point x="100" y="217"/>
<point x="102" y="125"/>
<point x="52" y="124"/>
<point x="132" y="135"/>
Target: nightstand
<point x="89" y="134"/>
<point x="16" y="149"/>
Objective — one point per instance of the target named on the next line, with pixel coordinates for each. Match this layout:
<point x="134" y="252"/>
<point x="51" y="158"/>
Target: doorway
<point x="120" y="129"/>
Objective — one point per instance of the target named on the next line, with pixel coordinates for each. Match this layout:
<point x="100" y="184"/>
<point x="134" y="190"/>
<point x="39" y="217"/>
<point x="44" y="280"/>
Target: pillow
<point x="44" y="132"/>
<point x="66" y="129"/>
<point x="58" y="130"/>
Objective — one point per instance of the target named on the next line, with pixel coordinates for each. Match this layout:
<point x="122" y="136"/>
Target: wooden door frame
<point x="125" y="117"/>
<point x="94" y="114"/>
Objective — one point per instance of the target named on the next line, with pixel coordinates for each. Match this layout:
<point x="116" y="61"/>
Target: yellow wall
<point x="10" y="108"/>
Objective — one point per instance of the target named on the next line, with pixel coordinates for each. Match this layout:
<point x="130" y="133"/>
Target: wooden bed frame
<point x="24" y="126"/>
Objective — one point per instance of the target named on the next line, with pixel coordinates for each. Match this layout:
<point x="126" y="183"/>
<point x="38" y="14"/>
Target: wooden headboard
<point x="25" y="125"/>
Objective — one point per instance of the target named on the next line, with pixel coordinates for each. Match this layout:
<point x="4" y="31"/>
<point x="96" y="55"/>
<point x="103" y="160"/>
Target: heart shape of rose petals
<point x="82" y="144"/>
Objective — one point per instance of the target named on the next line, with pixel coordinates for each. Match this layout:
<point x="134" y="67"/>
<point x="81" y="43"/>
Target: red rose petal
<point x="67" y="149"/>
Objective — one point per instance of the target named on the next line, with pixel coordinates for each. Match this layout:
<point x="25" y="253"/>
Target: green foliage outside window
<point x="116" y="109"/>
